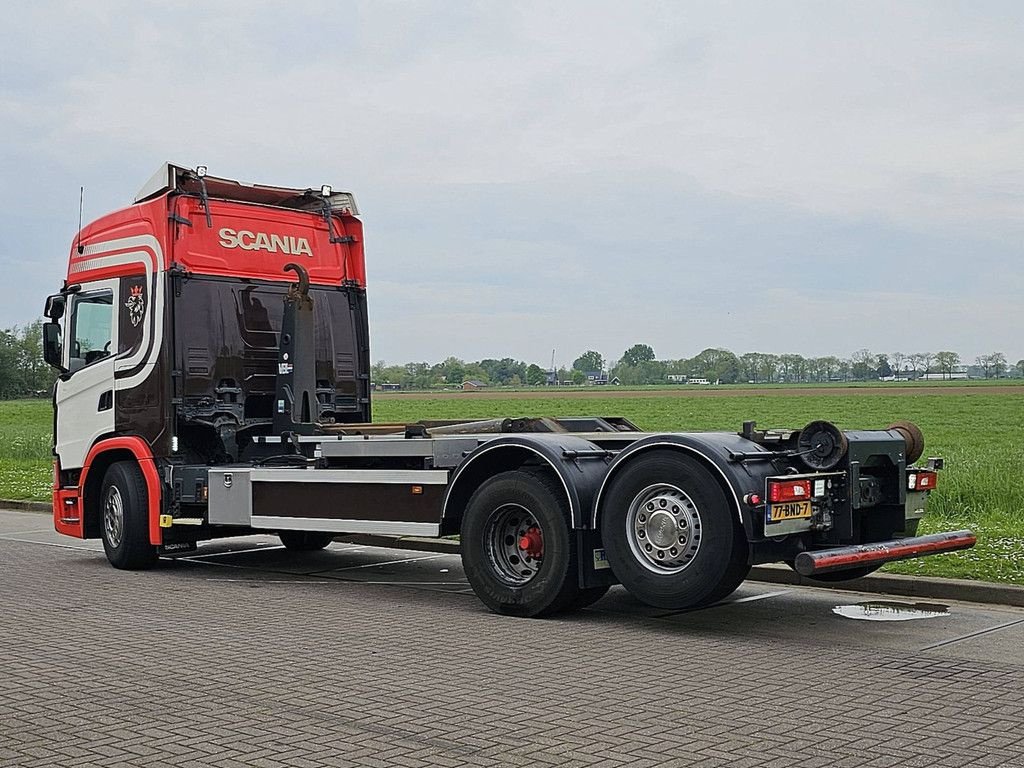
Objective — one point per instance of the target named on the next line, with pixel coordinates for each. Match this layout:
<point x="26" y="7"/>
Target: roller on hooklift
<point x="213" y="351"/>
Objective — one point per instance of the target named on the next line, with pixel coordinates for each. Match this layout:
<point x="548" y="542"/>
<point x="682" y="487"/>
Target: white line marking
<point x="23" y="533"/>
<point x="180" y="559"/>
<point x="416" y="583"/>
<point x="250" y="567"/>
<point x="54" y="544"/>
<point x="719" y="604"/>
<point x="240" y="551"/>
<point x="277" y="581"/>
<point x="972" y="635"/>
<point x="377" y="565"/>
<point x="765" y="596"/>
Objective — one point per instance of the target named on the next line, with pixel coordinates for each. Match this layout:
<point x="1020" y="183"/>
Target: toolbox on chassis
<point x="213" y="349"/>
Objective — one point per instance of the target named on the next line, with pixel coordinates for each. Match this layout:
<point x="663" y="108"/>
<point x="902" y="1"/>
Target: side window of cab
<point x="92" y="319"/>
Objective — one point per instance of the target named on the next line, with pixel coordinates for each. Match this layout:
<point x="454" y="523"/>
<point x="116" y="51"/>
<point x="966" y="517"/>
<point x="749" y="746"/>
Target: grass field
<point x="26" y="466"/>
<point x="979" y="433"/>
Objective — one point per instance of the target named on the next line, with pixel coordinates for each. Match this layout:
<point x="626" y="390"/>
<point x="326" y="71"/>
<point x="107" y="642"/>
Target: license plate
<point x="792" y="510"/>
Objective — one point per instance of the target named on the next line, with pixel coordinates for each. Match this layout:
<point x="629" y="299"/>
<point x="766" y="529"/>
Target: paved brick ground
<point x="197" y="665"/>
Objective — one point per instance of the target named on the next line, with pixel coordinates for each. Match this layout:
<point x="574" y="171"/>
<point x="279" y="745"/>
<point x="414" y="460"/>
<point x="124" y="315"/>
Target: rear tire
<point x="506" y="578"/>
<point x="124" y="517"/>
<point x="670" y="533"/>
<point x="739" y="568"/>
<point x="586" y="598"/>
<point x="305" y="541"/>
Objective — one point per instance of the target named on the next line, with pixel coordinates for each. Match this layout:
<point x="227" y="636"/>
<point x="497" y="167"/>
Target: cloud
<point x="571" y="176"/>
<point x="677" y="268"/>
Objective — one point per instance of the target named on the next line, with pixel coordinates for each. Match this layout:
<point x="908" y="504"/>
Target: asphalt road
<point x="246" y="655"/>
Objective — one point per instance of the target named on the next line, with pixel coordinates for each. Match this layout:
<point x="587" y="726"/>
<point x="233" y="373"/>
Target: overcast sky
<point x="779" y="177"/>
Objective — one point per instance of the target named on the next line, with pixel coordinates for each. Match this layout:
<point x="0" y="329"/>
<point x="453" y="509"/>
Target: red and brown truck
<point x="213" y="348"/>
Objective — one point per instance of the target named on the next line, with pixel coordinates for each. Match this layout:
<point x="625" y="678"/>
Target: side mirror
<point x="52" y="347"/>
<point x="54" y="307"/>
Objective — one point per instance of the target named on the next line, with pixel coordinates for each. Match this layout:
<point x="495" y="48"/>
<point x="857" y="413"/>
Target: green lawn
<point x="26" y="465"/>
<point x="980" y="434"/>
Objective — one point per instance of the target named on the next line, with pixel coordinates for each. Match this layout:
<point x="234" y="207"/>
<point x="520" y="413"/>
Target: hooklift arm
<point x="295" y="404"/>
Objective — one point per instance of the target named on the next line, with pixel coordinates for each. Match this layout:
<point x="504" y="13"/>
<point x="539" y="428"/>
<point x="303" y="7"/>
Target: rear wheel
<point x="739" y="568"/>
<point x="124" y="514"/>
<point x="586" y="597"/>
<point x="670" y="534"/>
<point x="305" y="541"/>
<point x="517" y="549"/>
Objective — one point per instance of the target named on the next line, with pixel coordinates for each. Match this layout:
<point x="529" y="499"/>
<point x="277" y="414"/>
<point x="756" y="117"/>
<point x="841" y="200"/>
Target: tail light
<point x="789" y="490"/>
<point x="922" y="480"/>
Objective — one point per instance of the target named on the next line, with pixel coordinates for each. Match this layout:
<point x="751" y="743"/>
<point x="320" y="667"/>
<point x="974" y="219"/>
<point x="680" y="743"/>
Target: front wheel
<point x="124" y="514"/>
<point x="517" y="549"/>
<point x="670" y="534"/>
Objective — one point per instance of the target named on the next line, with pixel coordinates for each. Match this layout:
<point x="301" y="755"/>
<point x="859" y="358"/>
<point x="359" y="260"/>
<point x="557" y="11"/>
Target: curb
<point x="931" y="587"/>
<point x="415" y="543"/>
<point x="26" y="506"/>
<point x="878" y="583"/>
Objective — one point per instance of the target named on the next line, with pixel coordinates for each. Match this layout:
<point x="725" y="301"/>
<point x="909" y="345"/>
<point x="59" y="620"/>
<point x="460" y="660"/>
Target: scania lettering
<point x="211" y="386"/>
<point x="260" y="241"/>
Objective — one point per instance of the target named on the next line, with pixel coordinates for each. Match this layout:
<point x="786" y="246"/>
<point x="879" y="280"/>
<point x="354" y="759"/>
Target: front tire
<point x="305" y="541"/>
<point x="517" y="549"/>
<point x="124" y="517"/>
<point x="670" y="534"/>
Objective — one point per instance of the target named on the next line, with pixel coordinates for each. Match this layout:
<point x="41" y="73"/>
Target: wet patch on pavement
<point x="890" y="610"/>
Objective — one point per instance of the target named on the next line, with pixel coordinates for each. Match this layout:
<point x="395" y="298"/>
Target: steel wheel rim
<point x="663" y="528"/>
<point x="505" y="527"/>
<point x="113" y="516"/>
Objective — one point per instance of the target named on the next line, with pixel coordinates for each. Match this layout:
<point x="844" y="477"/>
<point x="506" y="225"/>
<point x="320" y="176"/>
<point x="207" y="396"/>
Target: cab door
<point x="85" y="394"/>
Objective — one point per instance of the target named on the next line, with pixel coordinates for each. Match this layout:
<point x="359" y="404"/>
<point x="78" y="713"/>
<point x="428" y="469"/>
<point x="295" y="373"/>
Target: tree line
<point x="23" y="373"/>
<point x="639" y="365"/>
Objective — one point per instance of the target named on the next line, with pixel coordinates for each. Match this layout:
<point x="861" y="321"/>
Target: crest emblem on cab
<point x="136" y="305"/>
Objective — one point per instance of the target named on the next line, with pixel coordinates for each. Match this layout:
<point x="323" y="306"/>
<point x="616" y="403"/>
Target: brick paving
<point x="182" y="667"/>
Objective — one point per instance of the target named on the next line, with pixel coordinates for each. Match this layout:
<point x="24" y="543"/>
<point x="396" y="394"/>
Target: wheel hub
<point x="531" y="543"/>
<point x="515" y="544"/>
<point x="113" y="516"/>
<point x="663" y="528"/>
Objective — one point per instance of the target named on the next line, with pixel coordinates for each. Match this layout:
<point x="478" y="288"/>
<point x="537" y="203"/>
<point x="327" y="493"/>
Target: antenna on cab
<point x="81" y="200"/>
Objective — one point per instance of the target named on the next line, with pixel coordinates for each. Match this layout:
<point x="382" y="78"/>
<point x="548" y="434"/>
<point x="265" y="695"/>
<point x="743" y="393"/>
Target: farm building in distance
<point x="956" y="374"/>
<point x="679" y="378"/>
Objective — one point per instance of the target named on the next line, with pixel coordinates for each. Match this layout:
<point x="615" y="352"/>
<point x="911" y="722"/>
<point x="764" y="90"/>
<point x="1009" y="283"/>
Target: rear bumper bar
<point x="842" y="558"/>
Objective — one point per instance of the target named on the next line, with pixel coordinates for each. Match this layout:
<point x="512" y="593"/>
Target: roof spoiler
<point x="172" y="178"/>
